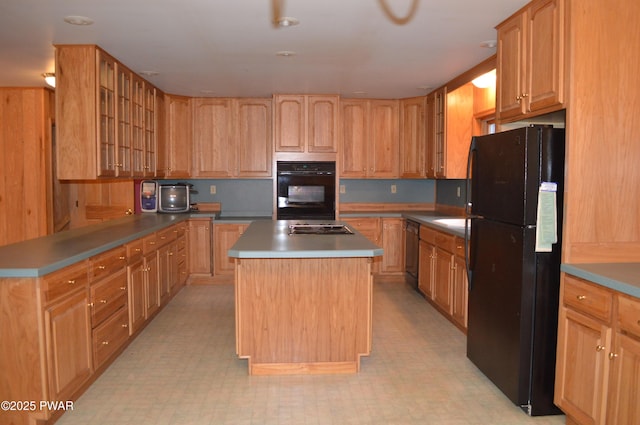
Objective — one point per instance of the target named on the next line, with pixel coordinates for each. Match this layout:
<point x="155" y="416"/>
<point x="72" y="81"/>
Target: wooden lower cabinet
<point x="371" y="228"/>
<point x="598" y="358"/>
<point x="224" y="236"/>
<point x="393" y="235"/>
<point x="151" y="284"/>
<point x="200" y="246"/>
<point x="67" y="326"/>
<point x="442" y="278"/>
<point x="136" y="273"/>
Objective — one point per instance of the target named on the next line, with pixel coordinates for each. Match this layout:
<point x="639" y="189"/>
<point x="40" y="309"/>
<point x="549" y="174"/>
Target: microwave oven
<point x="174" y="198"/>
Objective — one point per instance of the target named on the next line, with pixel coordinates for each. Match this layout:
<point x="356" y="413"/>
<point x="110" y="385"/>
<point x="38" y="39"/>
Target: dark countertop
<point x="40" y="256"/>
<point x="270" y="239"/>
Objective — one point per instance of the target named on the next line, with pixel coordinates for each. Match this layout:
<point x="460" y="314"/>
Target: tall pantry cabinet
<point x="27" y="160"/>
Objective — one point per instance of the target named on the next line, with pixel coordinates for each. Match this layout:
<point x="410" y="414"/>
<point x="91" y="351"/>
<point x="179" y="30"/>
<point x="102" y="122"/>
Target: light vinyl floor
<point x="182" y="369"/>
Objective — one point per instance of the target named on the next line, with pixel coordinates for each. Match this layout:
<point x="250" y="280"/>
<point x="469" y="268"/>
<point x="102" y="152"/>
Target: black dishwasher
<point x="412" y="242"/>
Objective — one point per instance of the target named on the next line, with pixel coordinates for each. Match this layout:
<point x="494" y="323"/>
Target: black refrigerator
<point x="513" y="281"/>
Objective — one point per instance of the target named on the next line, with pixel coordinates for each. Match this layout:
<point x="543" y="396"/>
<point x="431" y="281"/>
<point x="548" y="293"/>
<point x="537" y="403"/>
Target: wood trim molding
<point x="384" y="207"/>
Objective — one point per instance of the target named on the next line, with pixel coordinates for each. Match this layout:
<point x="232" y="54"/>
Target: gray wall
<point x="254" y="197"/>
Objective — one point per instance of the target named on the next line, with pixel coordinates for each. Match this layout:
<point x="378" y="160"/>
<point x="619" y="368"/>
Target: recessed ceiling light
<point x="287" y="21"/>
<point x="489" y="44"/>
<point x="425" y="87"/>
<point x="149" y="73"/>
<point x="285" y="53"/>
<point x="78" y="20"/>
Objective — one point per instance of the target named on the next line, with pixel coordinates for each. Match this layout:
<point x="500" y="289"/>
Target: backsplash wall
<point x="254" y="197"/>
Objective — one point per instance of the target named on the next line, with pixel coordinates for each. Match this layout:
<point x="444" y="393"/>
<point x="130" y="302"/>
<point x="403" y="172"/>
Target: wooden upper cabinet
<point x="253" y="137"/>
<point x="435" y="138"/>
<point x="96" y="119"/>
<point x="459" y="130"/>
<point x="369" y="138"/>
<point x="530" y="61"/>
<point x="412" y="138"/>
<point x="232" y="137"/>
<point x="306" y="123"/>
<point x="178" y="149"/>
<point x="212" y="134"/>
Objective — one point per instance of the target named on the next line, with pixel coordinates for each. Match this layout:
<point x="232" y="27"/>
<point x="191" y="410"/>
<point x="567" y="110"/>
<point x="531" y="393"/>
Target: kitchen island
<point x="303" y="301"/>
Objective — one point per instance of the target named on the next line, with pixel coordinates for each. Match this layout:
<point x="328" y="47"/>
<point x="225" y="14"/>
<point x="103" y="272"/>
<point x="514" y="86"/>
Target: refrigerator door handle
<point x="467" y="210"/>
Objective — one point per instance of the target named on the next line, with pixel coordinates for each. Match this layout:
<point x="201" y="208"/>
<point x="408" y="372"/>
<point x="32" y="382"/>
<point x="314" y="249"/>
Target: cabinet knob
<point x="612" y="356"/>
<point x="124" y="288"/>
<point x="103" y="301"/>
<point x="128" y="212"/>
<point x="124" y="325"/>
<point x="581" y="297"/>
<point x="71" y="282"/>
<point x="600" y="347"/>
<point x="105" y="342"/>
<point x="102" y="267"/>
<point x="122" y="257"/>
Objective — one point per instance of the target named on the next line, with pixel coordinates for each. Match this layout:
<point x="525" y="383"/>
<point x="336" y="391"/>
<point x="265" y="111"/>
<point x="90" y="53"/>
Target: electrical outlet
<point x="212" y="189"/>
<point x="393" y="188"/>
<point x="458" y="192"/>
<point x="343" y="189"/>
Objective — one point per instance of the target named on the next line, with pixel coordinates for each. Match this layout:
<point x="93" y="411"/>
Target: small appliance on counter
<point x="148" y="196"/>
<point x="174" y="198"/>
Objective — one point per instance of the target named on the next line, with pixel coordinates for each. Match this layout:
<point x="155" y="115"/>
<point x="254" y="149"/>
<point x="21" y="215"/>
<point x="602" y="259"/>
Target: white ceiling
<point x="228" y="47"/>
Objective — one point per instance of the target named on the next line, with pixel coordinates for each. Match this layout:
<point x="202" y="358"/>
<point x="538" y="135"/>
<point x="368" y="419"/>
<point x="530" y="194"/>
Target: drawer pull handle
<point x="71" y="282"/>
<point x="124" y="325"/>
<point x="581" y="297"/>
<point x="138" y="250"/>
<point x="600" y="347"/>
<point x="105" y="342"/>
<point x="152" y="243"/>
<point x="612" y="356"/>
<point x="122" y="257"/>
<point x="90" y="305"/>
<point x="103" y="301"/>
<point x="124" y="288"/>
<point x="102" y="267"/>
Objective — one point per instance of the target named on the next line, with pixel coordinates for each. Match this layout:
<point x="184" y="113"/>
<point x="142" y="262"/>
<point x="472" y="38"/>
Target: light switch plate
<point x="212" y="189"/>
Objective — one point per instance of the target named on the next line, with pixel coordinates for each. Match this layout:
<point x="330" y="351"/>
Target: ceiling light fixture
<point x="50" y="79"/>
<point x="489" y="44"/>
<point x="287" y="21"/>
<point x="285" y="53"/>
<point x="78" y="20"/>
<point x="485" y="80"/>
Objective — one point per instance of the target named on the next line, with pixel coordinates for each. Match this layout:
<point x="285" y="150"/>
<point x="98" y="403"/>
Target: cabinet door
<point x="460" y="292"/>
<point x="200" y="246"/>
<point x="213" y="148"/>
<point x="161" y="136"/>
<point x="624" y="395"/>
<point x="253" y="137"/>
<point x="179" y="136"/>
<point x="440" y="132"/>
<point x="152" y="284"/>
<point x="426" y="269"/>
<point x="68" y="336"/>
<point x="164" y="272"/>
<point x="459" y="129"/>
<point x="430" y="135"/>
<point x="322" y="123"/>
<point x="225" y="235"/>
<point x="582" y="367"/>
<point x="393" y="236"/>
<point x="290" y="123"/>
<point x="384" y="151"/>
<point x="106" y="114"/>
<point x="442" y="288"/>
<point x="136" y="280"/>
<point x="150" y="133"/>
<point x="137" y="126"/>
<point x="511" y="67"/>
<point x="545" y="44"/>
<point x="412" y="138"/>
<point x="354" y="137"/>
<point x="123" y="152"/>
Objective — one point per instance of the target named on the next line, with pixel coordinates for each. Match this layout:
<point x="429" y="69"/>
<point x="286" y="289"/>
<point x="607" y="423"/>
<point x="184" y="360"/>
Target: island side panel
<point x="310" y="315"/>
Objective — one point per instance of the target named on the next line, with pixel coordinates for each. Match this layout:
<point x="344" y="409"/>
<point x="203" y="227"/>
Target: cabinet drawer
<point x="588" y="298"/>
<point x="149" y="243"/>
<point x="428" y="234"/>
<point x="107" y="296"/>
<point x="459" y="247"/>
<point x="108" y="263"/>
<point x="446" y="241"/>
<point x="110" y="336"/>
<point x="134" y="250"/>
<point x="166" y="235"/>
<point x="62" y="282"/>
<point x="629" y="315"/>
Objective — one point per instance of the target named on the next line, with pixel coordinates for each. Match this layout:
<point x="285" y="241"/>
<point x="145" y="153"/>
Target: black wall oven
<point x="306" y="190"/>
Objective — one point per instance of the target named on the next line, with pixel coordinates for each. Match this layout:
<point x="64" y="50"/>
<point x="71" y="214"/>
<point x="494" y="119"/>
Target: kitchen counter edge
<point x="621" y="277"/>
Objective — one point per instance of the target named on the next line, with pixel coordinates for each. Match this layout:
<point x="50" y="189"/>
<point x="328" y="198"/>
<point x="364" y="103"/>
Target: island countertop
<point x="271" y="239"/>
